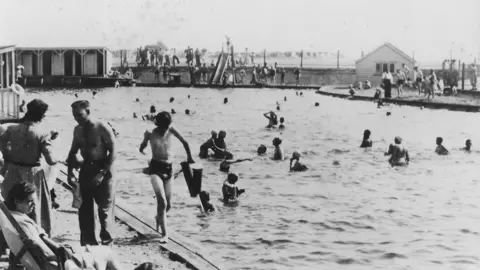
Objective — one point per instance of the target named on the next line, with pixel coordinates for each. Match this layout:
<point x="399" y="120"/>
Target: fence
<point x="9" y="103"/>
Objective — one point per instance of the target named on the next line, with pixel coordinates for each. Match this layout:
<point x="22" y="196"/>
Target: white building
<point x="370" y="66"/>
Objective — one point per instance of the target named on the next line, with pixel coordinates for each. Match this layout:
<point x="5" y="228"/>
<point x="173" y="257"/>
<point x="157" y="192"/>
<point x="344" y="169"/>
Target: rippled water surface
<point x="360" y="212"/>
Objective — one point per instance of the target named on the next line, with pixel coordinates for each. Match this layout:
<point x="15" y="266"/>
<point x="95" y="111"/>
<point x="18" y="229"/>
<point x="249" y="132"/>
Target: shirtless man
<point x="160" y="168"/>
<point x="399" y="154"/>
<point x="96" y="143"/>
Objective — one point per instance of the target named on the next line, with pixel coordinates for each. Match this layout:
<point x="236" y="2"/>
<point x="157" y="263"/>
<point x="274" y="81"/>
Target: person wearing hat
<point x="297" y="167"/>
<point x="279" y="154"/>
<point x="399" y="154"/>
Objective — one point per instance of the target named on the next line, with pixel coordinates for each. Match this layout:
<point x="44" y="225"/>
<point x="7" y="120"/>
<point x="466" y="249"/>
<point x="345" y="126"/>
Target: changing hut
<point x="370" y="66"/>
<point x="9" y="101"/>
<point x="51" y="65"/>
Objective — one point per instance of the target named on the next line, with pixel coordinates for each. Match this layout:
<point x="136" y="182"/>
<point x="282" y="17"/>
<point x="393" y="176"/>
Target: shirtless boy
<point x="160" y="168"/>
<point x="96" y="143"/>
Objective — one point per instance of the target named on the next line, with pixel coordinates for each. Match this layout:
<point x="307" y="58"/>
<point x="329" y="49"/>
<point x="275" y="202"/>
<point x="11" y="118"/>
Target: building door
<point x="68" y="56"/>
<point x="47" y="63"/>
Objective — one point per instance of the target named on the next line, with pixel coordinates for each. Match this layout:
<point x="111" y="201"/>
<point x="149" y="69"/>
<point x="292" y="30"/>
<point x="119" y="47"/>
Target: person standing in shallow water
<point x="440" y="149"/>
<point x="160" y="168"/>
<point x="96" y="142"/>
<point x="23" y="146"/>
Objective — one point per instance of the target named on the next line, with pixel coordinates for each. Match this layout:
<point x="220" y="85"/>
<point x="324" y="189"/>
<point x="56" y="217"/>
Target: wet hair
<point x="81" y="104"/>
<point x="36" y="110"/>
<point x="262" y="149"/>
<point x="222" y="132"/>
<point x="152" y="109"/>
<point x="277" y="141"/>
<point x="367" y="133"/>
<point x="225" y="100"/>
<point x="19" y="192"/>
<point x="232" y="178"/>
<point x="282" y="119"/>
<point x="439" y="140"/>
<point x="468" y="141"/>
<point x="172" y="99"/>
<point x="398" y="140"/>
<point x="163" y="119"/>
<point x="187" y="111"/>
<point x="278" y="108"/>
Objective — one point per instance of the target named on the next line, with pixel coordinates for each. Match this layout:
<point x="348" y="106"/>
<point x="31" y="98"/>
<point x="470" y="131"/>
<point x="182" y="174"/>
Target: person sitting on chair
<point x="21" y="203"/>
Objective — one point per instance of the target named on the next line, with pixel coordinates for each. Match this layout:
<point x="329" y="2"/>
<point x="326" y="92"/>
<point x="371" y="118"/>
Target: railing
<point x="9" y="103"/>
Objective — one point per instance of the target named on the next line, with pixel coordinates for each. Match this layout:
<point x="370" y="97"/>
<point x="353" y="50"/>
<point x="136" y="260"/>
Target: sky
<point x="430" y="29"/>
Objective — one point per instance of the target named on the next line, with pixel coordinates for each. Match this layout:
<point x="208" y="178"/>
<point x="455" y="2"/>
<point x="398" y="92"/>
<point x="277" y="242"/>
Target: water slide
<point x="220" y="68"/>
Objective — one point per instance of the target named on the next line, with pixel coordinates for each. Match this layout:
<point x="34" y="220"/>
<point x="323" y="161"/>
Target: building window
<point x="385" y="67"/>
<point x="392" y="68"/>
<point x="378" y="68"/>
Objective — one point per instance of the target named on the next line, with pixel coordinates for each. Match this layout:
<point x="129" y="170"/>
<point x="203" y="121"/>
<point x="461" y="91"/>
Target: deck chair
<point x="22" y="247"/>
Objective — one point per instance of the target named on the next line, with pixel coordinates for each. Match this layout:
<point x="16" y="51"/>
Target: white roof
<point x="395" y="49"/>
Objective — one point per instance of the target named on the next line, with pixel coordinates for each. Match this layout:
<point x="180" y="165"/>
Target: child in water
<point x="205" y="200"/>
<point x="225" y="165"/>
<point x="160" y="168"/>
<point x="366" y="139"/>
<point x="278" y="155"/>
<point x="297" y="167"/>
<point x="261" y="150"/>
<point x="230" y="190"/>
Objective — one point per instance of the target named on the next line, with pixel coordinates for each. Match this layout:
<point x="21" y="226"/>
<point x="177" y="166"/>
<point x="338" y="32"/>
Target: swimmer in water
<point x="94" y="93"/>
<point x="282" y="126"/>
<point x="272" y="119"/>
<point x="135" y="115"/>
<point x="261" y="150"/>
<point x="230" y="190"/>
<point x="220" y="146"/>
<point x="366" y="142"/>
<point x="76" y="95"/>
<point x="207" y="145"/>
<point x="151" y="116"/>
<point x="297" y="167"/>
<point x="399" y="154"/>
<point x="440" y="149"/>
<point x="468" y="146"/>
<point x="285" y="98"/>
<point x="279" y="154"/>
<point x="205" y="200"/>
<point x="160" y="168"/>
<point x="225" y="165"/>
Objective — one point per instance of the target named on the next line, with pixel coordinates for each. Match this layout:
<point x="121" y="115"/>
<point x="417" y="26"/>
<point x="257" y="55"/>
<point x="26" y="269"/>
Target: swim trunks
<point x="161" y="168"/>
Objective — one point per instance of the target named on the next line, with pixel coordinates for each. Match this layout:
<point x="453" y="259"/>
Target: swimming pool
<point x="360" y="212"/>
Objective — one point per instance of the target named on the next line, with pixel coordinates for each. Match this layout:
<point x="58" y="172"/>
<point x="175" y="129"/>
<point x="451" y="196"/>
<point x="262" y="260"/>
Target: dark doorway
<point x="34" y="64"/>
<point x="47" y="63"/>
<point x="99" y="63"/>
<point x="68" y="56"/>
<point x="78" y="63"/>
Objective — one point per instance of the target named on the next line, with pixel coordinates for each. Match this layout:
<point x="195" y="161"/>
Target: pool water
<point x="359" y="212"/>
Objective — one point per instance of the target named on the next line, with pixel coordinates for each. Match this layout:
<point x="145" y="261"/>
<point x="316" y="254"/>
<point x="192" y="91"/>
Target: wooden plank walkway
<point x="179" y="247"/>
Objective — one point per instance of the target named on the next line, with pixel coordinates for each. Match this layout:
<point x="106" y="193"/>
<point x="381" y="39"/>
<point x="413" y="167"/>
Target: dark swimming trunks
<point x="161" y="168"/>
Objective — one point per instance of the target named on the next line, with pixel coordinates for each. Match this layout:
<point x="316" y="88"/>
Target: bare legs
<point x="163" y="193"/>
